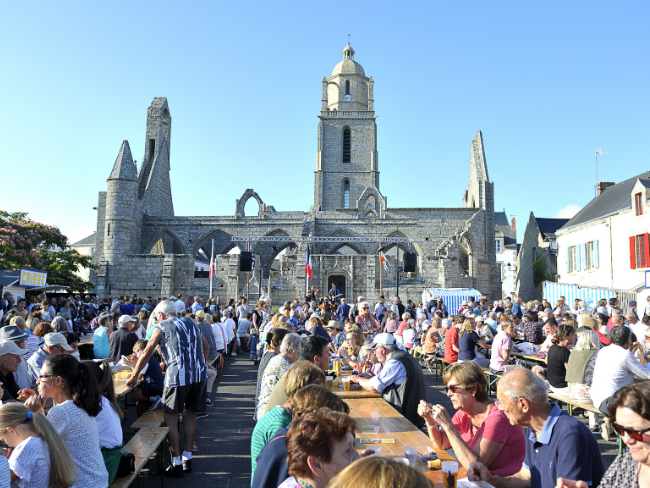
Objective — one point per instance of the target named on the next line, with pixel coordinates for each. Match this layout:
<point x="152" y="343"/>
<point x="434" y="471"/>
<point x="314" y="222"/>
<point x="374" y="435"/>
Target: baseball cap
<point x="632" y="303"/>
<point x="480" y="318"/>
<point x="361" y="297"/>
<point x="10" y="347"/>
<point x="56" y="339"/>
<point x="125" y="318"/>
<point x="383" y="339"/>
<point x="200" y="314"/>
<point x="172" y="297"/>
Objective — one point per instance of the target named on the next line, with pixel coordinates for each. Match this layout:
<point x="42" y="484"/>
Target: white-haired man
<point x="184" y="349"/>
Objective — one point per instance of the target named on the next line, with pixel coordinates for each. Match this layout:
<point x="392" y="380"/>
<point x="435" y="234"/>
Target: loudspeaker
<point x="410" y="262"/>
<point x="246" y="261"/>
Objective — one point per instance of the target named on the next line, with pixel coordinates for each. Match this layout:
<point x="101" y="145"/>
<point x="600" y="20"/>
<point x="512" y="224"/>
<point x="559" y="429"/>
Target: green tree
<point x="540" y="272"/>
<point x="29" y="244"/>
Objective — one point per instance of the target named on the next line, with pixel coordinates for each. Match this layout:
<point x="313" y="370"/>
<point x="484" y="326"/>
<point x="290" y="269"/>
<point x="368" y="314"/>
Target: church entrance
<point x="339" y="281"/>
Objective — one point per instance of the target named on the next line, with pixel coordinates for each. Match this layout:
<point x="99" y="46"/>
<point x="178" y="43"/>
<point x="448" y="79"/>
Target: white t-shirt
<point x="408" y="336"/>
<point x="219" y="331"/>
<point x="109" y="427"/>
<point x="180" y="306"/>
<point x="79" y="432"/>
<point x="231" y="328"/>
<point x="30" y="461"/>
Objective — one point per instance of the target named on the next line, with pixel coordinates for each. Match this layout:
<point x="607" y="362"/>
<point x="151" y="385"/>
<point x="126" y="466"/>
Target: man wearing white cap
<point x="121" y="341"/>
<point x="179" y="304"/>
<point x="400" y="382"/>
<point x="10" y="358"/>
<point x="54" y="343"/>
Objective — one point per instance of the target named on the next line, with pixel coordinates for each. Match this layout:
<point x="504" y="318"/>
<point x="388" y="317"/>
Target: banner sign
<point x="32" y="277"/>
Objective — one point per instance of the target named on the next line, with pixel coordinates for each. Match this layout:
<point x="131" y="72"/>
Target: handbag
<point x="127" y="464"/>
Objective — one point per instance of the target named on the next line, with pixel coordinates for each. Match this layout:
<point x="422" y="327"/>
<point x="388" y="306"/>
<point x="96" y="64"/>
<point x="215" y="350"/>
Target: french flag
<point x="308" y="269"/>
<point x="213" y="267"/>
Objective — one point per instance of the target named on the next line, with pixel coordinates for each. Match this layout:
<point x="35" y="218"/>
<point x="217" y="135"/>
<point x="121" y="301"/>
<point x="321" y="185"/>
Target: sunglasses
<point x="453" y="388"/>
<point x="637" y="435"/>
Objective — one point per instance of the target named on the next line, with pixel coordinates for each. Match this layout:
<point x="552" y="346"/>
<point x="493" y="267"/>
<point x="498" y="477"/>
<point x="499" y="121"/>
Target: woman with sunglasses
<point x="629" y="413"/>
<point x="479" y="431"/>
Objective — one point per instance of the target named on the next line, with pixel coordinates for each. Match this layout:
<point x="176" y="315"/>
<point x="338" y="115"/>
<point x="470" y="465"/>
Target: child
<point x="148" y="395"/>
<point x="40" y="458"/>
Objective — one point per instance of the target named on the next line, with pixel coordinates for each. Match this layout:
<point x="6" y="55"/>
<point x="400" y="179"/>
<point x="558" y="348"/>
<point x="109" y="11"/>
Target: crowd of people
<point x="304" y="435"/>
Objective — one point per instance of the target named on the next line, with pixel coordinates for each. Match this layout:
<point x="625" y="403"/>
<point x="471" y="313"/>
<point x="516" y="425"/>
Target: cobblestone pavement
<point x="223" y="438"/>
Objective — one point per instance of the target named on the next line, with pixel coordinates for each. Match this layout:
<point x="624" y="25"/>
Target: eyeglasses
<point x="453" y="388"/>
<point x="637" y="435"/>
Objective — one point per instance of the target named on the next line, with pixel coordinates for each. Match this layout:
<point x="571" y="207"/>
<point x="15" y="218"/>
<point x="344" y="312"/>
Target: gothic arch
<point x="165" y="242"/>
<point x="268" y="251"/>
<point x="371" y="203"/>
<point x="241" y="203"/>
<point x="222" y="243"/>
<point x="465" y="255"/>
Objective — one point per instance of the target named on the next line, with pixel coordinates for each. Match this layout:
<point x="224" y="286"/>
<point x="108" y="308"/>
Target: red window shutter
<point x="646" y="245"/>
<point x="632" y="254"/>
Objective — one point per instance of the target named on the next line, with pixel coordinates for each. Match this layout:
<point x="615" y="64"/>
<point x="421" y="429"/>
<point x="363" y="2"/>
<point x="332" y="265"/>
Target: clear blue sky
<point x="546" y="82"/>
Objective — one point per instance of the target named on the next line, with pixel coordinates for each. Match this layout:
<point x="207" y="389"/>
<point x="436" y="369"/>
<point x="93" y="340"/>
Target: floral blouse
<point x="580" y="391"/>
<point x="623" y="472"/>
<point x="275" y="370"/>
<point x="430" y="342"/>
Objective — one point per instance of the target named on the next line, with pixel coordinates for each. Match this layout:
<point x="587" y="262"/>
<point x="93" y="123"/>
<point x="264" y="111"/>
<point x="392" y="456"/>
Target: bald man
<point x="557" y="445"/>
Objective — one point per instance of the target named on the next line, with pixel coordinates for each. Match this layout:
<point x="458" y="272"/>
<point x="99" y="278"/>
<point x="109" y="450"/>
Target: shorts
<point x="190" y="397"/>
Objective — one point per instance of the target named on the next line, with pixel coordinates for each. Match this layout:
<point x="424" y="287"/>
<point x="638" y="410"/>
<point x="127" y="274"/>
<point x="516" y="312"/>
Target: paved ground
<point x="224" y="437"/>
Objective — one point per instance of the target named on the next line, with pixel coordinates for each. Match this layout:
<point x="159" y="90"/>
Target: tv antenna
<point x="598" y="152"/>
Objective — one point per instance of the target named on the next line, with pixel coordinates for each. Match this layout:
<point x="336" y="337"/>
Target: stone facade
<point x="142" y="247"/>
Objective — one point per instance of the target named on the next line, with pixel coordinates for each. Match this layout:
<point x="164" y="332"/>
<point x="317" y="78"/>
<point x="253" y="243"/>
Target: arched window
<point x="464" y="257"/>
<point x="347" y="87"/>
<point x="346" y="194"/>
<point x="347" y="145"/>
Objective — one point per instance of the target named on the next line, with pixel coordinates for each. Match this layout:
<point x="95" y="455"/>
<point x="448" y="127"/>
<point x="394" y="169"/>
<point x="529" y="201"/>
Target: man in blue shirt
<point x="557" y="444"/>
<point x="342" y="312"/>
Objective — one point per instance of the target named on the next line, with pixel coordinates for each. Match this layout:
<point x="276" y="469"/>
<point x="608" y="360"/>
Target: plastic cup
<point x="377" y="450"/>
<point x="329" y="381"/>
<point x="449" y="473"/>
<point x="346" y="383"/>
<point x="411" y="454"/>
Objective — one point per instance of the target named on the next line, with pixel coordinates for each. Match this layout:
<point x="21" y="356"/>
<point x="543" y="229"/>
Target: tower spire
<point x="124" y="168"/>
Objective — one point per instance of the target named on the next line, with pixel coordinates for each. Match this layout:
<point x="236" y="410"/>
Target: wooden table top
<point x="392" y="425"/>
<point x="360" y="393"/>
<point x="87" y="339"/>
<point x="121" y="389"/>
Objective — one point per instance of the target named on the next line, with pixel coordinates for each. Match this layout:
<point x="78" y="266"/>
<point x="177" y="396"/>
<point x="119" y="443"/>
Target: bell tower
<point x="346" y="159"/>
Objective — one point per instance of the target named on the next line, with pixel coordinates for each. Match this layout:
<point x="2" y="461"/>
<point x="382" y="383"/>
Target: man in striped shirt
<point x="184" y="350"/>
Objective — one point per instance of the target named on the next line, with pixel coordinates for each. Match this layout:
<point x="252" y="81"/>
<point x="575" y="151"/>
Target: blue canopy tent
<point x="453" y="297"/>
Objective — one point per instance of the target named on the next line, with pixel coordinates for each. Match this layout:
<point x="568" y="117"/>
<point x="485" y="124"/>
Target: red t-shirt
<point x="495" y="427"/>
<point x="451" y="356"/>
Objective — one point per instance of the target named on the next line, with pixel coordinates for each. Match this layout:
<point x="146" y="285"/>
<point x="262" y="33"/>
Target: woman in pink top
<point x="479" y="431"/>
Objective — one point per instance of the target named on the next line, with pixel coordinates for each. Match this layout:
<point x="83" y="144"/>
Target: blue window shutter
<point x="596" y="254"/>
<point x="583" y="256"/>
<point x="568" y="261"/>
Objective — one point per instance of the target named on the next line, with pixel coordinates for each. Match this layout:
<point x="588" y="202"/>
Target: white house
<point x="606" y="243"/>
<point x="505" y="241"/>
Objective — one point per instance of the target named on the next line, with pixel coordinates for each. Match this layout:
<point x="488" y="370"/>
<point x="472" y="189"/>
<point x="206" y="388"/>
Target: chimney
<point x="604" y="185"/>
<point x="513" y="224"/>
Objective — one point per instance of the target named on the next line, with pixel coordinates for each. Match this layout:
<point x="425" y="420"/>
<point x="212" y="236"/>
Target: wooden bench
<point x="492" y="379"/>
<point x="443" y="364"/>
<point x="584" y="404"/>
<point x="149" y="419"/>
<point x="143" y="445"/>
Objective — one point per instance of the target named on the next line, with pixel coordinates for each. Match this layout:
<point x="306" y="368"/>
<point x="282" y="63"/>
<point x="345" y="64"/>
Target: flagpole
<point x="211" y="269"/>
<point x="307" y="274"/>
<point x="248" y="280"/>
<point x="381" y="265"/>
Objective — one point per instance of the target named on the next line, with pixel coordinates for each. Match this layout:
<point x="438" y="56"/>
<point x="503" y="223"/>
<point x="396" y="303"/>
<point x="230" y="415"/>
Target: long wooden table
<point x="526" y="358"/>
<point x="392" y="425"/>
